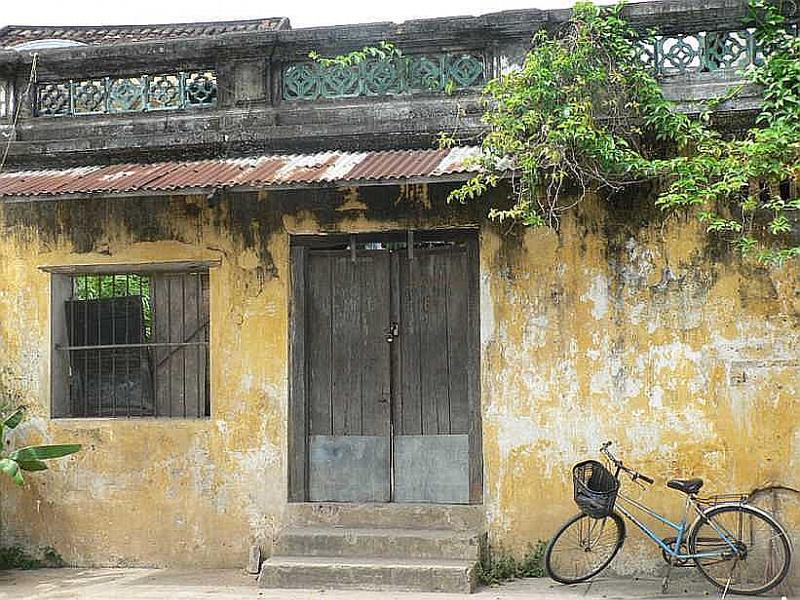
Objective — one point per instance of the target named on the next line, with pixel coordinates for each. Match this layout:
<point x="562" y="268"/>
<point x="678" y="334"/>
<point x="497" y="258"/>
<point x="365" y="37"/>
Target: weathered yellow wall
<point x="583" y="342"/>
<point x="156" y="491"/>
<point x="579" y="345"/>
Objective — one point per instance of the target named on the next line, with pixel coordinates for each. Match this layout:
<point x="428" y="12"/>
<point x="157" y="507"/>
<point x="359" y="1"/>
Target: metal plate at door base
<point x="431" y="468"/>
<point x="349" y="468"/>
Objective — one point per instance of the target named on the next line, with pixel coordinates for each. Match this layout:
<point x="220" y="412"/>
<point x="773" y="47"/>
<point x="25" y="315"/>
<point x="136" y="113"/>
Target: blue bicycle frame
<point x="681" y="529"/>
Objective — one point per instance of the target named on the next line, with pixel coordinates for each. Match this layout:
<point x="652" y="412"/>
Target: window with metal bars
<point x="131" y="344"/>
<point x="6" y="98"/>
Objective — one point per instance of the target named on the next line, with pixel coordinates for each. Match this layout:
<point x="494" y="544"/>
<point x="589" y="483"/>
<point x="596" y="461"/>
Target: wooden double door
<point x="389" y="390"/>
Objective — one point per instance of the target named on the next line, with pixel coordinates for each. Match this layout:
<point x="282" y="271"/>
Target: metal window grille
<point x="5" y="99"/>
<point x="134" y="345"/>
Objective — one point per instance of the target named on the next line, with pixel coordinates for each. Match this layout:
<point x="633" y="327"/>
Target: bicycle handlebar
<point x="634" y="475"/>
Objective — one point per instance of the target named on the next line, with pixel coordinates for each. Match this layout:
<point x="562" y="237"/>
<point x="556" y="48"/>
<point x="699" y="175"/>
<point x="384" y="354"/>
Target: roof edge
<point x="187" y="24"/>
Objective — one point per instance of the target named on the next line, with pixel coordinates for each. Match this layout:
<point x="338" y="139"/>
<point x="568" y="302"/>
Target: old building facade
<point x="234" y="276"/>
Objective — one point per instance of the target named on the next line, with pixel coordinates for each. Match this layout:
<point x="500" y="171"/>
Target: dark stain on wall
<point x="250" y="219"/>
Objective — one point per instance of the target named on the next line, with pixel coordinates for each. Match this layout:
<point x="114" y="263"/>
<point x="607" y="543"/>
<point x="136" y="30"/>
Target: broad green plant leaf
<point x="44" y="452"/>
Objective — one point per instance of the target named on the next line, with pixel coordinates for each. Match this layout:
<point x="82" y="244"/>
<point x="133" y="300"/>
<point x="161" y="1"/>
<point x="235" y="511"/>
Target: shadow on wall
<point x="784" y="503"/>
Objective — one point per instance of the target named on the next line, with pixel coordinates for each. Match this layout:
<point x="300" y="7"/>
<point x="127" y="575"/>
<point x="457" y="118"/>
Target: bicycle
<point x="739" y="548"/>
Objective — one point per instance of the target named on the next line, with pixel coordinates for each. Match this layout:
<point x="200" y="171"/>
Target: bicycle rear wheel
<point x="763" y="553"/>
<point x="583" y="547"/>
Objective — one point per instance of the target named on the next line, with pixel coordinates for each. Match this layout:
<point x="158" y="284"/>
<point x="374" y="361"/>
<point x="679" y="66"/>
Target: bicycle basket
<point x="595" y="489"/>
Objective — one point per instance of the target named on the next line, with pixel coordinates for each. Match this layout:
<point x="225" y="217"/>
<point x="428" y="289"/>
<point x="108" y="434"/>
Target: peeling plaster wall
<point x="583" y="336"/>
<point x="586" y="338"/>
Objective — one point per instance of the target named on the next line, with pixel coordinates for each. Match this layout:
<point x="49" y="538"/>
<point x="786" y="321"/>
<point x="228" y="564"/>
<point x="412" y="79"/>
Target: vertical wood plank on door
<point x="457" y="301"/>
<point x="345" y="373"/>
<point x="429" y="345"/>
<point x="438" y="348"/>
<point x="374" y="351"/>
<point x="320" y="342"/>
<point x="410" y="343"/>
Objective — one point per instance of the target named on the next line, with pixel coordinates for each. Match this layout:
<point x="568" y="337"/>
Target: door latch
<point x="392" y="332"/>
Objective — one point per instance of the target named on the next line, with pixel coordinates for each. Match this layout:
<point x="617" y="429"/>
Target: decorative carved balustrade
<point x="700" y="52"/>
<point x="384" y="77"/>
<point x="703" y="52"/>
<point x="665" y="54"/>
<point x="145" y="93"/>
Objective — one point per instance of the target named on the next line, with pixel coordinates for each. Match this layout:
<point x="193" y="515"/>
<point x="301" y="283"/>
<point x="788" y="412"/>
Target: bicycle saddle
<point x="687" y="486"/>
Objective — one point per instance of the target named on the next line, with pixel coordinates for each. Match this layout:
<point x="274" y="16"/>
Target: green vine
<point x="382" y="51"/>
<point x="584" y="112"/>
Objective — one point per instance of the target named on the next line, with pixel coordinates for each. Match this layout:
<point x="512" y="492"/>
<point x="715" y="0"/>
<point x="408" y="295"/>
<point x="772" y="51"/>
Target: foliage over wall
<point x="583" y="111"/>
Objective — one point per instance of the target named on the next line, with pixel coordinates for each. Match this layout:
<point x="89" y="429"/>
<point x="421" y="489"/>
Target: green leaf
<point x="32" y="465"/>
<point x="11" y="468"/>
<point x="44" y="452"/>
<point x="14" y="419"/>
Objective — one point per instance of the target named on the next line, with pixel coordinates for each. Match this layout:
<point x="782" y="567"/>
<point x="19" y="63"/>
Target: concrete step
<point x="457" y="517"/>
<point x="418" y="575"/>
<point x="379" y="543"/>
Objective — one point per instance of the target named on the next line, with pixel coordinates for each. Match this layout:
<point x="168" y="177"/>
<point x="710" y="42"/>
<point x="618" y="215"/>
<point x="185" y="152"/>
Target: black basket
<point x="595" y="489"/>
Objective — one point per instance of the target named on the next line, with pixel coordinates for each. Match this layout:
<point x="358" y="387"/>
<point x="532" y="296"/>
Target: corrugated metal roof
<point x="241" y="173"/>
<point x="15" y="35"/>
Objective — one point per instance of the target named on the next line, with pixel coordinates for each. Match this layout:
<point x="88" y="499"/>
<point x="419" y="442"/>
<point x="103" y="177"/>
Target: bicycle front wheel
<point x="583" y="547"/>
<point x="762" y="554"/>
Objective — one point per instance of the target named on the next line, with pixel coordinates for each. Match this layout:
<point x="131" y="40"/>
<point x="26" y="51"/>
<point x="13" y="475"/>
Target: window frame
<point x="61" y="282"/>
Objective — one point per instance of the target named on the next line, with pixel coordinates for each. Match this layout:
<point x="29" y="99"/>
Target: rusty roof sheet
<point x="255" y="172"/>
<point x="15" y="35"/>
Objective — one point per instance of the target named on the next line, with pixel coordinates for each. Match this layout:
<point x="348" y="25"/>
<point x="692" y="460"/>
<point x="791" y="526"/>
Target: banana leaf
<point x="43" y="452"/>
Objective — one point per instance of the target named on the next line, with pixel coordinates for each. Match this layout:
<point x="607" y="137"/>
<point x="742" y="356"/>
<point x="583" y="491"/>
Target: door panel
<point x="347" y="310"/>
<point x="432" y="389"/>
<point x="431" y="404"/>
